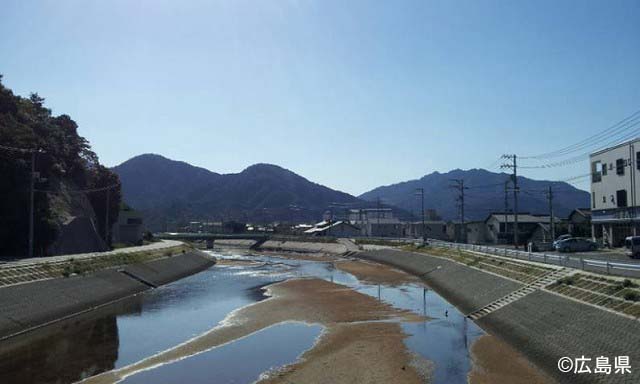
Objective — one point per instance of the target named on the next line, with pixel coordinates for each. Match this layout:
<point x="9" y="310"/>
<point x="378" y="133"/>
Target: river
<point x="122" y="334"/>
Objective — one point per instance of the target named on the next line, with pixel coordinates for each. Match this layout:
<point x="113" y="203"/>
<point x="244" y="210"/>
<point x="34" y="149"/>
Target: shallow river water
<point x="141" y="326"/>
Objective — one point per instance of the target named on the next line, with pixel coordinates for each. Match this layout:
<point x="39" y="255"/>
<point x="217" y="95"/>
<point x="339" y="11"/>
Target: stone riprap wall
<point x="542" y="325"/>
<point x="29" y="305"/>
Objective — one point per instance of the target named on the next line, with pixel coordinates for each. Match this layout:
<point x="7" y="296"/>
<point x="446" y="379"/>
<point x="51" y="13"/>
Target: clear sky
<point x="350" y="94"/>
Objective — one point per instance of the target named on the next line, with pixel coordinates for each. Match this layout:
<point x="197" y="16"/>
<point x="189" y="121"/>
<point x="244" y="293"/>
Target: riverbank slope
<point x="542" y="325"/>
<point x="28" y="306"/>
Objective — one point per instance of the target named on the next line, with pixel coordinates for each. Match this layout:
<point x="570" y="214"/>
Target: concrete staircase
<point x="540" y="283"/>
<point x="349" y="253"/>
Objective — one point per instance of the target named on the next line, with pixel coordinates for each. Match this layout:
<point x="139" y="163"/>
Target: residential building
<point x="477" y="232"/>
<point x="434" y="229"/>
<point x="500" y="227"/>
<point x="614" y="196"/>
<point x="378" y="215"/>
<point x="579" y="222"/>
<point x="377" y="222"/>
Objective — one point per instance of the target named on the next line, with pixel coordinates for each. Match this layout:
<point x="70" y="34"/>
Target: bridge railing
<point x="577" y="262"/>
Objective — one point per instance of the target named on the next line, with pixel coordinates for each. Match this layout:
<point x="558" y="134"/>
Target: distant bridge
<point x="210" y="236"/>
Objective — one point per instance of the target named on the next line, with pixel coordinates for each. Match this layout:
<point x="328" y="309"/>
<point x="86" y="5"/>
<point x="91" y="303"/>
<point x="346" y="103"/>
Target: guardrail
<point x="586" y="264"/>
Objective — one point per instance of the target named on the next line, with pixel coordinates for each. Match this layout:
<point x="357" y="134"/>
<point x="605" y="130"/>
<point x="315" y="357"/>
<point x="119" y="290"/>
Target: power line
<point x="584" y="156"/>
<point x="90" y="190"/>
<point x="613" y="130"/>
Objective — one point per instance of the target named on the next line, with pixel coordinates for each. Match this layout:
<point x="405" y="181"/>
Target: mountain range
<point x="484" y="193"/>
<point x="171" y="192"/>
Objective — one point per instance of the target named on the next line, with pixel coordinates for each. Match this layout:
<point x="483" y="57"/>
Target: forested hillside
<point x="70" y="181"/>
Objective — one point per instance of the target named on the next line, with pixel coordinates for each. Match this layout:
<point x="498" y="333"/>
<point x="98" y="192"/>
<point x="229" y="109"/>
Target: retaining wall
<point x="542" y="325"/>
<point x="303" y="247"/>
<point x="466" y="288"/>
<point x="29" y="305"/>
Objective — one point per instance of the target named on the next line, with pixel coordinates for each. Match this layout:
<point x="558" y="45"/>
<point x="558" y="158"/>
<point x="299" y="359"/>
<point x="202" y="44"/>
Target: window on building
<point x="596" y="173"/>
<point x="604" y="169"/>
<point x="593" y="200"/>
<point x="638" y="160"/>
<point x="620" y="167"/>
<point x="621" y="197"/>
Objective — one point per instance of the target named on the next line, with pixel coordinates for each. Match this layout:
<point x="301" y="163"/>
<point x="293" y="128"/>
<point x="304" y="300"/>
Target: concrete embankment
<point x="30" y="305"/>
<point x="337" y="248"/>
<point x="542" y="325"/>
<point x="303" y="247"/>
<point x="466" y="288"/>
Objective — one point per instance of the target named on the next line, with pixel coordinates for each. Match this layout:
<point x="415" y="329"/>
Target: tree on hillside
<point x="64" y="162"/>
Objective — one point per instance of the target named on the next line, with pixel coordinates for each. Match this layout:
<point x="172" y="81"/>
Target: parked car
<point x="559" y="239"/>
<point x="632" y="246"/>
<point x="576" y="244"/>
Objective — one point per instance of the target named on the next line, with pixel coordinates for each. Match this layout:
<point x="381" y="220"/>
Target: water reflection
<point x="67" y="351"/>
<point x="241" y="361"/>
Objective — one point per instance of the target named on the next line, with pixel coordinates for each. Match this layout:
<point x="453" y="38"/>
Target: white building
<point x="614" y="196"/>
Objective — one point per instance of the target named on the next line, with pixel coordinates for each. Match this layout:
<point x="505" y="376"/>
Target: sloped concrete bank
<point x="286" y="246"/>
<point x="543" y="326"/>
<point x="466" y="288"/>
<point x="303" y="247"/>
<point x="25" y="307"/>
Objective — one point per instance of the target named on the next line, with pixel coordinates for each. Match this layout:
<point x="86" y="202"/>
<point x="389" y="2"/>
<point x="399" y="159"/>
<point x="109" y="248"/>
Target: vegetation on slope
<point x="65" y="165"/>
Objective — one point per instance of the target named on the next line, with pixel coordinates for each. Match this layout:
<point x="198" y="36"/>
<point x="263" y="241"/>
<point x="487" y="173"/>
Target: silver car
<point x="576" y="244"/>
<point x="632" y="246"/>
<point x="560" y="238"/>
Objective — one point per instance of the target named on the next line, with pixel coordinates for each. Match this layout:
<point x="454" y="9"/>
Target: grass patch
<point x="88" y="265"/>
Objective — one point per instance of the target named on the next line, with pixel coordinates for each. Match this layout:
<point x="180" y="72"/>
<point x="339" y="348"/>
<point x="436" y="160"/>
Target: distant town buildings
<point x="335" y="229"/>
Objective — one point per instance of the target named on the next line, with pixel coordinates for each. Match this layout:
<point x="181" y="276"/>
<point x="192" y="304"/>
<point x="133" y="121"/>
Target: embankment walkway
<point x="41" y="268"/>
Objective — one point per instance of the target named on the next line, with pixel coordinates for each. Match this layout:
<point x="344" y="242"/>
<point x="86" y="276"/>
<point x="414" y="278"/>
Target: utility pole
<point x="106" y="220"/>
<point x="552" y="223"/>
<point x="514" y="167"/>
<point x="32" y="182"/>
<point x="424" y="233"/>
<point x="506" y="206"/>
<point x="459" y="185"/>
<point x="377" y="217"/>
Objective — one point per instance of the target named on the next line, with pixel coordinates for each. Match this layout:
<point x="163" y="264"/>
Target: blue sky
<point x="350" y="94"/>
